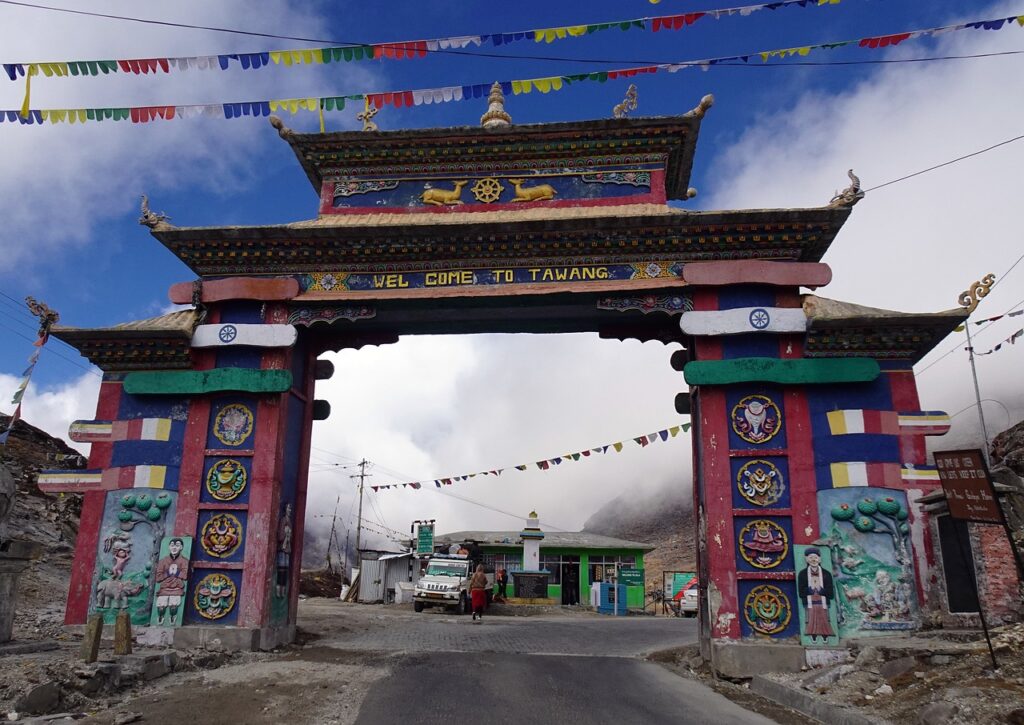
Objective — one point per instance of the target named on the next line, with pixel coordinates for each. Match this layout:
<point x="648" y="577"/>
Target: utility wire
<point x="471" y="53"/>
<point x="51" y="350"/>
<point x="956" y="347"/>
<point x="947" y="163"/>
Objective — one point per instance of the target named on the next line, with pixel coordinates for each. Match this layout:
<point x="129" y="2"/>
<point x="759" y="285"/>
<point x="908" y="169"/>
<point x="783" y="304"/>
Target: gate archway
<point x="808" y="438"/>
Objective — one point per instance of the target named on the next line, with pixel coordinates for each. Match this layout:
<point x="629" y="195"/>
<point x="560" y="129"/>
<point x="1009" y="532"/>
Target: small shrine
<point x="808" y="434"/>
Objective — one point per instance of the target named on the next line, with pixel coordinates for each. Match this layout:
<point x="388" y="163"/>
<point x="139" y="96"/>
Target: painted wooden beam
<point x="321" y="410"/>
<point x="784" y="372"/>
<point x="109" y="431"/>
<point x="741" y="320"/>
<point x="323" y="370"/>
<point x="229" y="334"/>
<point x="106" y="479"/>
<point x="191" y="382"/>
<point x="887" y="422"/>
<point x="881" y="475"/>
<point x="755" y="271"/>
<point x="679" y="359"/>
<point x="237" y="288"/>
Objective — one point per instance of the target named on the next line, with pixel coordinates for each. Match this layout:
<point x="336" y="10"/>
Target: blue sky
<point x="775" y="137"/>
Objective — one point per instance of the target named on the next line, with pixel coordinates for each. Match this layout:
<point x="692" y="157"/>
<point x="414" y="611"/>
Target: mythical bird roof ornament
<point x="150" y="218"/>
<point x="850" y="195"/>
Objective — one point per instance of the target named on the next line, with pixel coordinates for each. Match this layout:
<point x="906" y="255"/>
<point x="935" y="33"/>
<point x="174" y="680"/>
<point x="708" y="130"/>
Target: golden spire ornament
<point x="496" y="116"/>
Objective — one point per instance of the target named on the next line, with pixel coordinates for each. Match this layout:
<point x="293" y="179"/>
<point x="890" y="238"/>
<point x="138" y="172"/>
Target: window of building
<point x="602" y="568"/>
<point x="554" y="565"/>
<point x="508" y="562"/>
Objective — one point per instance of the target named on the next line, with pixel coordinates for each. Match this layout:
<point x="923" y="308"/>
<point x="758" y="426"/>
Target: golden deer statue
<point x="533" y="193"/>
<point x="444" y="197"/>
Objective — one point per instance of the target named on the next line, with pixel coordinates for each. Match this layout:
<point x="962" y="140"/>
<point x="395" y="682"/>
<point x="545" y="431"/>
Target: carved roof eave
<point x="831" y="219"/>
<point x="852" y="329"/>
<point x="156" y="343"/>
<point x="680" y="160"/>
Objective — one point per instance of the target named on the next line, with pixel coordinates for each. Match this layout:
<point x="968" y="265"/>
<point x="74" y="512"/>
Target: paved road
<point x="446" y="688"/>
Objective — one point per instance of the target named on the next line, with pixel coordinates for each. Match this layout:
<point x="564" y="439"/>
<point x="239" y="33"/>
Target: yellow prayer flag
<point x="275" y="55"/>
<point x="577" y="30"/>
<point x="307" y="57"/>
<point x="673" y="431"/>
<point x="543" y="84"/>
<point x="617" y="447"/>
<point x="803" y="51"/>
<point x="33" y="69"/>
<point x="1020" y="20"/>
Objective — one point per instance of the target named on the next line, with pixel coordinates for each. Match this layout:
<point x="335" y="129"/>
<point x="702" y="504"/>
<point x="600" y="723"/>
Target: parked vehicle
<point x="446" y="584"/>
<point x="689" y="600"/>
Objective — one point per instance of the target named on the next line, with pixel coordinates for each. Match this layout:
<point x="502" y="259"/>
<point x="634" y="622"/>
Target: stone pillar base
<point x="15" y="556"/>
<point x="233" y="639"/>
<point x="739" y="660"/>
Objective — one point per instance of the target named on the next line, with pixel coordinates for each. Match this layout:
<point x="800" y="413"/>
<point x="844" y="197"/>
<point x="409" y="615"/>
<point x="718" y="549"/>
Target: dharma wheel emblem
<point x="760" y="319"/>
<point x="487" y="190"/>
<point x="227" y="333"/>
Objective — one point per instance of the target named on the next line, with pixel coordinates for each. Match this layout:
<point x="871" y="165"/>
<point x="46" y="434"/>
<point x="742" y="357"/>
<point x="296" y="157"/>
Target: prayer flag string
<point x="406" y="98"/>
<point x="548" y="463"/>
<point x="47" y="318"/>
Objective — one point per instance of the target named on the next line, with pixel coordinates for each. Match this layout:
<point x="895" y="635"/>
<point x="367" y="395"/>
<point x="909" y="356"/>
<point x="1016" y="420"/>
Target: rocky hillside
<point x="662" y="518"/>
<point x="50" y="521"/>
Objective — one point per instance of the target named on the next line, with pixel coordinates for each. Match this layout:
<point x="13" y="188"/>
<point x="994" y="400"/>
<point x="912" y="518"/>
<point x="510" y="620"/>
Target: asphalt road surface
<point x="514" y="688"/>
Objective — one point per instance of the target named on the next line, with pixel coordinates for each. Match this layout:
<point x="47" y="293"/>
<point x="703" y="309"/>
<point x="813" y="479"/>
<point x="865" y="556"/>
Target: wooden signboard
<point x="744" y="319"/>
<point x="755" y="271"/>
<point x="969" y="492"/>
<point x="237" y="288"/>
<point x="194" y="382"/>
<point x="784" y="372"/>
<point x="230" y="334"/>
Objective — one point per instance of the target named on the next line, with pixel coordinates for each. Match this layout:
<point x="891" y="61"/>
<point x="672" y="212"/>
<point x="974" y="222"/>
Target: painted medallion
<point x="756" y="419"/>
<point x="221" y="535"/>
<point x="233" y="424"/>
<point x="226" y="480"/>
<point x="215" y="596"/>
<point x="763" y="544"/>
<point x="760" y="482"/>
<point x="767" y="609"/>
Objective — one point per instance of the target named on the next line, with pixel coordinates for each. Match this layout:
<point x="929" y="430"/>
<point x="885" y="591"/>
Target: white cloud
<point x="54" y="408"/>
<point x="61" y="182"/>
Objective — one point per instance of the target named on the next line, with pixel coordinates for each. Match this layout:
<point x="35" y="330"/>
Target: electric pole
<point x="969" y="300"/>
<point x="359" y="523"/>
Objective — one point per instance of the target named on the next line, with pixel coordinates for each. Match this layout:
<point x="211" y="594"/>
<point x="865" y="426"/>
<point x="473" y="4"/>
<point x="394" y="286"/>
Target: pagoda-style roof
<point x="541" y="235"/>
<point x="520" y="148"/>
<point x="162" y="342"/>
<point x="845" y="329"/>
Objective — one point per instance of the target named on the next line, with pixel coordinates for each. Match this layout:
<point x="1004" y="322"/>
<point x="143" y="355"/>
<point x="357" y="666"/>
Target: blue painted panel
<point x="869" y="447"/>
<point x="156" y="406"/>
<point x="239" y="357"/>
<point x="232" y="423"/>
<point x="732" y="296"/>
<point x="875" y="395"/>
<point x="763" y="611"/>
<point x="228" y="532"/>
<point x="406" y="194"/>
<point x="242" y="312"/>
<point x="753" y="345"/>
<point x="222" y="488"/>
<point x="763" y="543"/>
<point x="198" y="593"/>
<point x="145" y="453"/>
<point x="770" y="432"/>
<point x="760" y="482"/>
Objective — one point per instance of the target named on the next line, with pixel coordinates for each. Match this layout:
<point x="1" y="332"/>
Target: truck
<point x="445" y="583"/>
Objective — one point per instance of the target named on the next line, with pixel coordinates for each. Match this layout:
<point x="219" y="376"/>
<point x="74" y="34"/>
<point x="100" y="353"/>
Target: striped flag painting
<point x="108" y="431"/>
<point x="108" y="479"/>
<point x="884" y="475"/>
<point x="887" y="422"/>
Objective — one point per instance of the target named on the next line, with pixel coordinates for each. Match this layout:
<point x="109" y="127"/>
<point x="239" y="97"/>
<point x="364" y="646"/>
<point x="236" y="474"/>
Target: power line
<point x="51" y="350"/>
<point x="967" y="322"/>
<point x="947" y="163"/>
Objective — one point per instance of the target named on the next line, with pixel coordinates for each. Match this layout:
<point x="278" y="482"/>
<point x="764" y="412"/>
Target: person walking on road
<point x="502" y="580"/>
<point x="478" y="592"/>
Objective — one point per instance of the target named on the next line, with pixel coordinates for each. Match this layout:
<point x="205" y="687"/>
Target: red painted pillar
<point x="803" y="486"/>
<point x="80" y="591"/>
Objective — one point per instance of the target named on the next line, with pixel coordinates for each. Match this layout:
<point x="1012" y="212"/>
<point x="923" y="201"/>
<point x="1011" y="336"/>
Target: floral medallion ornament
<point x="226" y="479"/>
<point x="763" y="544"/>
<point x="233" y="424"/>
<point x="221" y="535"/>
<point x="756" y="419"/>
<point x="767" y="609"/>
<point x="760" y="482"/>
<point x="215" y="596"/>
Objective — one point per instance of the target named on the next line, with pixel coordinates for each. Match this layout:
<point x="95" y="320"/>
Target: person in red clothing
<point x="171" y="575"/>
<point x="478" y="592"/>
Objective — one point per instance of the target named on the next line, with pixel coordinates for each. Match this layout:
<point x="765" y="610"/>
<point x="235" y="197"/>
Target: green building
<point x="569" y="557"/>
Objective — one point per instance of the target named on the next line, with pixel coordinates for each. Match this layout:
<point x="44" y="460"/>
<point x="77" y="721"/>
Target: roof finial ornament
<point x="150" y="218"/>
<point x="970" y="297"/>
<point x="850" y="195"/>
<point x="366" y="116"/>
<point x="619" y="110"/>
<point x="282" y="130"/>
<point x="496" y="116"/>
<point x="705" y="103"/>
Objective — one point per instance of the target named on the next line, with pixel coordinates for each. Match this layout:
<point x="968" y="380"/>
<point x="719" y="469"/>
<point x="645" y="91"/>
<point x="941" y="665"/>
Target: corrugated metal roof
<point x="552" y="539"/>
<point x="182" y="321"/>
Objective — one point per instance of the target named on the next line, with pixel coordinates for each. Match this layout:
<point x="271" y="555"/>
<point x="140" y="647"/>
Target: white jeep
<point x="445" y="584"/>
